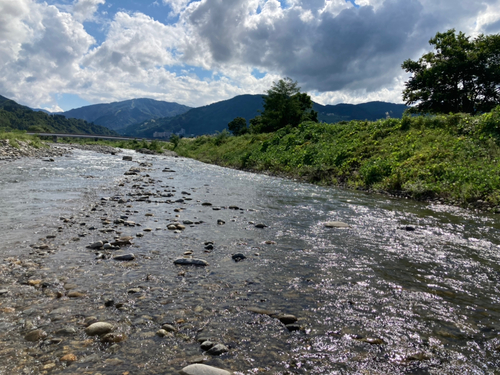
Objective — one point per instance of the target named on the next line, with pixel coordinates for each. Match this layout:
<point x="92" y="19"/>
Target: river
<point x="408" y="287"/>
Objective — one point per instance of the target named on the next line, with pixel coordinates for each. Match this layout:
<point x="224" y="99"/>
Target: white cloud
<point x="336" y="51"/>
<point x="84" y="10"/>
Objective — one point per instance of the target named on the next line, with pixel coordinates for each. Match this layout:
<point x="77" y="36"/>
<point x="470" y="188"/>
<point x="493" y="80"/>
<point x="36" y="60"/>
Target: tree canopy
<point x="238" y="126"/>
<point x="460" y="75"/>
<point x="284" y="105"/>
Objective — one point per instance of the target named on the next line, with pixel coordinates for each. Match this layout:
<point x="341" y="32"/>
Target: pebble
<point x="199" y="369"/>
<point x="220" y="222"/>
<point x="125" y="257"/>
<point x="99" y="328"/>
<point x="238" y="257"/>
<point x="287" y="318"/>
<point x="113" y="337"/>
<point x="218" y="349"/>
<point x="69" y="358"/>
<point x="96" y="245"/>
<point x="35" y="335"/>
<point x="336" y="224"/>
<point x="190" y="262"/>
<point x="169" y="328"/>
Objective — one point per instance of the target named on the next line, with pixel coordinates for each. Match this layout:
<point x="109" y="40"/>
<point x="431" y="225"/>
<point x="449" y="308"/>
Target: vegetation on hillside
<point x="14" y="116"/>
<point x="453" y="157"/>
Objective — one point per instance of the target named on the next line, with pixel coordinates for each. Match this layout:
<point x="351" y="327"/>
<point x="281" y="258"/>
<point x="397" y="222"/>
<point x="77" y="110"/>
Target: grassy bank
<point x="14" y="136"/>
<point x="455" y="158"/>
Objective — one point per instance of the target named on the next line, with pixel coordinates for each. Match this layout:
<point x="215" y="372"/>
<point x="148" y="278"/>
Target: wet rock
<point x="75" y="294"/>
<point x="162" y="333"/>
<point x="238" y="257"/>
<point x="187" y="222"/>
<point x="113" y="337"/>
<point x="287" y="318"/>
<point x="293" y="327"/>
<point x="124" y="257"/>
<point x="372" y="340"/>
<point x="127" y="158"/>
<point x="408" y="228"/>
<point x="99" y="328"/>
<point x="67" y="331"/>
<point x="96" y="245"/>
<point x="122" y="241"/>
<point x="169" y="328"/>
<point x="35" y="335"/>
<point x="206" y="204"/>
<point x="171" y="227"/>
<point x="220" y="222"/>
<point x="68" y="358"/>
<point x="207" y="345"/>
<point x="218" y="349"/>
<point x="209" y="247"/>
<point x="199" y="369"/>
<point x="190" y="262"/>
<point x="3" y="292"/>
<point x="261" y="226"/>
<point x="336" y="224"/>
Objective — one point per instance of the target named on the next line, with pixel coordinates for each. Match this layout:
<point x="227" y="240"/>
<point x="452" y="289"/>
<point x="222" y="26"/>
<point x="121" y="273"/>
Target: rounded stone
<point x="99" y="328"/>
<point x="35" y="335"/>
<point x="199" y="369"/>
<point x="336" y="224"/>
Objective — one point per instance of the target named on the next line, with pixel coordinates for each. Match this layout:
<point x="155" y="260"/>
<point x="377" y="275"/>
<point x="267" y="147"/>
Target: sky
<point x="63" y="54"/>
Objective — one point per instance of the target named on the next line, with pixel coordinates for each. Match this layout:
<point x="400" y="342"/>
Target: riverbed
<point x="393" y="287"/>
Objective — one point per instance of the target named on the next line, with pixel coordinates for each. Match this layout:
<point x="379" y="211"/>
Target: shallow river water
<point x="407" y="287"/>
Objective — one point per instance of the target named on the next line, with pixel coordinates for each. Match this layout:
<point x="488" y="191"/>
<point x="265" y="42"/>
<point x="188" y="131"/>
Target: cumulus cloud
<point x="84" y="10"/>
<point x="216" y="49"/>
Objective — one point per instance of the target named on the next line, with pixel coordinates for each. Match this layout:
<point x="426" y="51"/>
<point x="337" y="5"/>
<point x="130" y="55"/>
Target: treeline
<point x="455" y="157"/>
<point x="14" y="116"/>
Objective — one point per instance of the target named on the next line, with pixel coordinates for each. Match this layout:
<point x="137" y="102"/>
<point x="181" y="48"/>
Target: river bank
<point x="453" y="159"/>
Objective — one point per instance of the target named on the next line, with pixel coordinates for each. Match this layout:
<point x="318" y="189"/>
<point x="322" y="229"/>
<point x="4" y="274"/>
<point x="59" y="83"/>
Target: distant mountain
<point x="370" y="111"/>
<point x="215" y="117"/>
<point x="119" y="115"/>
<point x="16" y="116"/>
<point x="203" y="120"/>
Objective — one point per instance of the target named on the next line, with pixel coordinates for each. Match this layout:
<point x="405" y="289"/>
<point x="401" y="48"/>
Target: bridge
<point x="96" y="137"/>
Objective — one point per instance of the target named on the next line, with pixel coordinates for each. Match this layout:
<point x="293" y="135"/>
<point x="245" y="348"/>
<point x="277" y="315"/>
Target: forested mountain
<point x="119" y="115"/>
<point x="203" y="120"/>
<point x="16" y="116"/>
<point x="366" y="111"/>
<point x="215" y="117"/>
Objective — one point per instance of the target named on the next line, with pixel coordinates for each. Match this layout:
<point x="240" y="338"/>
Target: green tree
<point x="460" y="75"/>
<point x="238" y="126"/>
<point x="284" y="105"/>
<point x="175" y="139"/>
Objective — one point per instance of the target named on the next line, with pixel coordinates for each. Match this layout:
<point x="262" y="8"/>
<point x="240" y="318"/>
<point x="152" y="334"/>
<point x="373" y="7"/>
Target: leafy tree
<point x="175" y="139"/>
<point x="461" y="75"/>
<point x="284" y="105"/>
<point x="238" y="126"/>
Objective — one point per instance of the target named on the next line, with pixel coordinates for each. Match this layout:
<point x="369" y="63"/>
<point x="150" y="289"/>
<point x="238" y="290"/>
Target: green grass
<point x="14" y="136"/>
<point x="452" y="157"/>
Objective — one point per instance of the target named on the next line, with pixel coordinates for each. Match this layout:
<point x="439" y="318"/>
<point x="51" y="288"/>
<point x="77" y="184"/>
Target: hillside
<point x="215" y="117"/>
<point x="119" y="115"/>
<point x="453" y="158"/>
<point x="16" y="116"/>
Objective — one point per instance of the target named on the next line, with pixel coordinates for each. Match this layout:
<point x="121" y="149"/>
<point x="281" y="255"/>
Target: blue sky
<point x="63" y="54"/>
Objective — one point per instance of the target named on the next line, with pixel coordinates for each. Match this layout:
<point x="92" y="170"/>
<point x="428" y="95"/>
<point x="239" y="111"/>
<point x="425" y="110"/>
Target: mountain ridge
<point x="214" y="117"/>
<point x="14" y="116"/>
<point x="119" y="115"/>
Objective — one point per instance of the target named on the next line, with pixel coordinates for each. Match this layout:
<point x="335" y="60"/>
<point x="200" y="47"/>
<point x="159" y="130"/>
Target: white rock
<point x="336" y="224"/>
<point x="198" y="369"/>
<point x="99" y="328"/>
